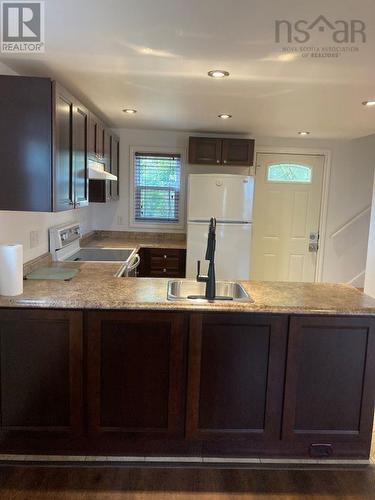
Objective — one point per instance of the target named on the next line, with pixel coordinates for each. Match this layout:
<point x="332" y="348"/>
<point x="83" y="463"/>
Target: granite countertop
<point x="96" y="287"/>
<point x="107" y="239"/>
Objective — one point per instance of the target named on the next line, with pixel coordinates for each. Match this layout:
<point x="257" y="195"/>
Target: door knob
<point x="313" y="242"/>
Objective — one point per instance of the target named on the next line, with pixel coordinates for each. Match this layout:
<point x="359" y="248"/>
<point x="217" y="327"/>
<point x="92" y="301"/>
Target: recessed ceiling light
<point x="303" y="133"/>
<point x="368" y="103"/>
<point x="218" y="73"/>
<point x="129" y="111"/>
<point x="224" y="116"/>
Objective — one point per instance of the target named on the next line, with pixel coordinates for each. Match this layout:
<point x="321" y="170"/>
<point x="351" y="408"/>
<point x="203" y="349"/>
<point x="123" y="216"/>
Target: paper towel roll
<point x="11" y="269"/>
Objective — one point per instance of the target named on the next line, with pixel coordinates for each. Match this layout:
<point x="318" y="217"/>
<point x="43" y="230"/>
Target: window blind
<point x="157" y="187"/>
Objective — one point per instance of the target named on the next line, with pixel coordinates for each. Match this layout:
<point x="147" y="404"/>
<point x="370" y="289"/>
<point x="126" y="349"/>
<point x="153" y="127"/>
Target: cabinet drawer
<point x="162" y="262"/>
<point x="165" y="252"/>
<point x="171" y="263"/>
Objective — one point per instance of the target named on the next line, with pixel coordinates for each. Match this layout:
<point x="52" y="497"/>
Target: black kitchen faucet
<point x="210" y="256"/>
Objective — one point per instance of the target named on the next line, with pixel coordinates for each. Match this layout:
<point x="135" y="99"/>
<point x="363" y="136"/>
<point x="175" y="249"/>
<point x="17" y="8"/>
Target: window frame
<point x="305" y="183"/>
<point x="147" y="224"/>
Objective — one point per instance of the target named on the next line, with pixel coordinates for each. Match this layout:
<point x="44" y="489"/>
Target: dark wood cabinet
<point x="103" y="191"/>
<point x="100" y="141"/>
<point x="162" y="262"/>
<point x="330" y="384"/>
<point x="221" y="151"/>
<point x="107" y="150"/>
<point x="63" y="136"/>
<point x="115" y="167"/>
<point x="136" y="374"/>
<point x="46" y="139"/>
<point x="175" y="383"/>
<point x="204" y="150"/>
<point x="238" y="152"/>
<point x="70" y="150"/>
<point x="80" y="155"/>
<point x="92" y="136"/>
<point x="26" y="143"/>
<point x="40" y="376"/>
<point x="43" y="139"/>
<point x="235" y="378"/>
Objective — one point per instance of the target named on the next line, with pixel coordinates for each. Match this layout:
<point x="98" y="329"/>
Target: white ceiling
<point x="153" y="55"/>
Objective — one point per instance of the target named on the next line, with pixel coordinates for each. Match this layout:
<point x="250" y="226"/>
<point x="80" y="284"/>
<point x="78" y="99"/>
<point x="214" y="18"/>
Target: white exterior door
<point x="288" y="190"/>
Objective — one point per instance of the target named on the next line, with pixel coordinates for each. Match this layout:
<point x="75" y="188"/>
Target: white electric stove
<point x="64" y="244"/>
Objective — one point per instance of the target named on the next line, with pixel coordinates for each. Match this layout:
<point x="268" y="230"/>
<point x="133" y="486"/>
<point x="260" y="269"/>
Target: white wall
<point x="349" y="193"/>
<point x="370" y="263"/>
<point x="5" y="70"/>
<point x="115" y="216"/>
<point x="15" y="227"/>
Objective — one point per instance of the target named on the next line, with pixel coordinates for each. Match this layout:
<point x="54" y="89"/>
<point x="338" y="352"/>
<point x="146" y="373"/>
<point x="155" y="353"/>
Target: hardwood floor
<point x="80" y="483"/>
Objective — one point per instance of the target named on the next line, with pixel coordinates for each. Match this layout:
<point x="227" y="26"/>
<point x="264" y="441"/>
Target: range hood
<point x="97" y="172"/>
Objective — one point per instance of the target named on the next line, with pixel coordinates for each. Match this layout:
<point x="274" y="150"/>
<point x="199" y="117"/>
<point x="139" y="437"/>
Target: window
<point x="289" y="172"/>
<point x="157" y="182"/>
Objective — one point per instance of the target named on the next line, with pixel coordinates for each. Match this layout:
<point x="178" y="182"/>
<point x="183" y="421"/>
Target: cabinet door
<point x="238" y="152"/>
<point x="136" y="373"/>
<point x="80" y="154"/>
<point x="40" y="373"/>
<point x="107" y="161"/>
<point x="204" y="150"/>
<point x="330" y="382"/>
<point x="63" y="139"/>
<point x="92" y="136"/>
<point x="99" y="141"/>
<point x="26" y="140"/>
<point x="236" y="376"/>
<point x="115" y="157"/>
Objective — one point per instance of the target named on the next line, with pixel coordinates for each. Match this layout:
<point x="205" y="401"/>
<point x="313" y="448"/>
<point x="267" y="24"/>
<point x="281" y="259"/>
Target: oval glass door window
<point x="289" y="172"/>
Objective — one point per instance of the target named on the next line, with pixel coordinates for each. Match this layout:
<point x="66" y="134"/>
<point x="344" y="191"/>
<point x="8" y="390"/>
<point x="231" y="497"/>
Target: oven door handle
<point x="135" y="263"/>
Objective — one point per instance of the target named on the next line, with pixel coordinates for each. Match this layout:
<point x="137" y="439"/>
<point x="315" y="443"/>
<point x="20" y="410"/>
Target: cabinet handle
<point x="225" y="161"/>
<point x="78" y="204"/>
<point x="71" y="203"/>
<point x="165" y="257"/>
<point x="217" y="161"/>
<point x="164" y="270"/>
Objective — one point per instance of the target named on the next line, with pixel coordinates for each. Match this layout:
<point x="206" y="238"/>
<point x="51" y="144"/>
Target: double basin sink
<point x="193" y="290"/>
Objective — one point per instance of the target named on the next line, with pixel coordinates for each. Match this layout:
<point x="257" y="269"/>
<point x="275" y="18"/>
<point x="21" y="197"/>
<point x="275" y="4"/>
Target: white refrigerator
<point x="229" y="198"/>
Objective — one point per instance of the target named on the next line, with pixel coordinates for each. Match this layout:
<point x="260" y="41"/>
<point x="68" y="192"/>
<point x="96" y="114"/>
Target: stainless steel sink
<point x="192" y="290"/>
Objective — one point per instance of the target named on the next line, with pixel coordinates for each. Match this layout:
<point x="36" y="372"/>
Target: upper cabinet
<point x="238" y="152"/>
<point x="217" y="151"/>
<point x="26" y="143"/>
<point x="103" y="191"/>
<point x="204" y="150"/>
<point x="46" y="139"/>
<point x="70" y="180"/>
<point x="115" y="167"/>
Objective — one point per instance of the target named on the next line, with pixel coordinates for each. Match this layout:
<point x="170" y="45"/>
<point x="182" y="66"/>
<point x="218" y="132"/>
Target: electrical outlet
<point x="34" y="239"/>
<point x="119" y="220"/>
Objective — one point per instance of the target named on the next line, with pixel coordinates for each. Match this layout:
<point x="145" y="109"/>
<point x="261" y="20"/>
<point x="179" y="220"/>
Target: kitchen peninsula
<point x="101" y="365"/>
